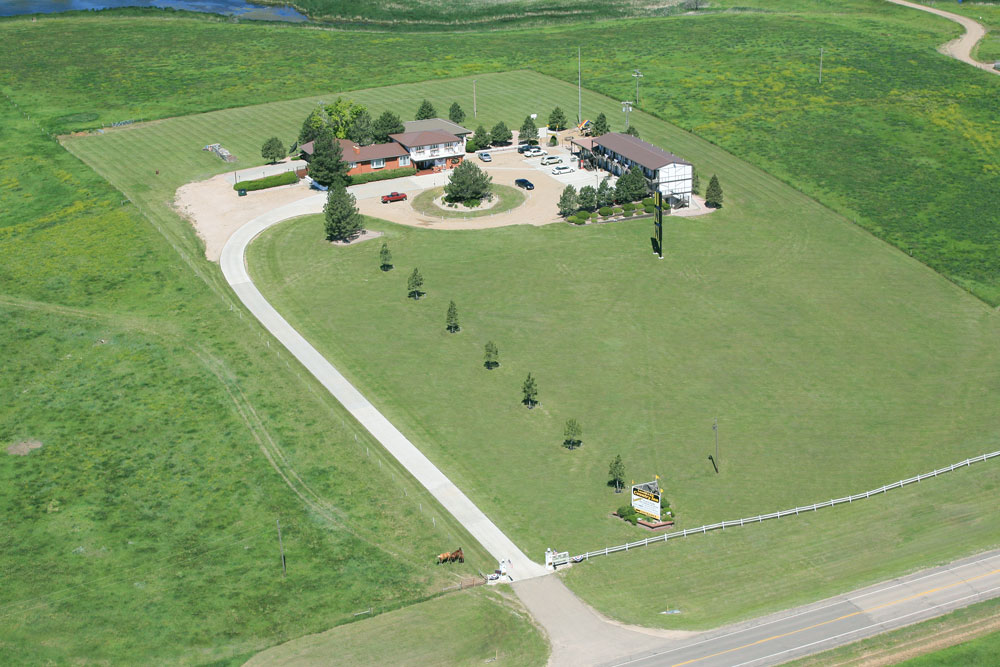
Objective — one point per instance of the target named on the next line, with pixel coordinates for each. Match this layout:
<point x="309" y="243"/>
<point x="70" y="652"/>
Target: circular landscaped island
<point x="431" y="202"/>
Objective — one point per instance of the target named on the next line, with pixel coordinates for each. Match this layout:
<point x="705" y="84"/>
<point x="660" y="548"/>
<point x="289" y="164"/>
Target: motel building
<point x="434" y="144"/>
<point x="616" y="153"/>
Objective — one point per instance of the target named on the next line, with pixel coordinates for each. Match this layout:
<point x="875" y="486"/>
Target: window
<point x="352" y="165"/>
<point x="404" y="161"/>
<point x="378" y="164"/>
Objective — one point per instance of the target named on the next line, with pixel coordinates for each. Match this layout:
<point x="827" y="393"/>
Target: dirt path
<point x="961" y="48"/>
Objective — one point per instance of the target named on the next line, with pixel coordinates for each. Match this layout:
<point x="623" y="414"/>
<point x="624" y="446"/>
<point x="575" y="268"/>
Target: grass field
<point x="463" y="629"/>
<point x="988" y="50"/>
<point x="143" y="530"/>
<point x="923" y="637"/>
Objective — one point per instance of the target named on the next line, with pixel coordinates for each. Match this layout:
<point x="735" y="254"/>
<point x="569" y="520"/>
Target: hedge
<point x="605" y="211"/>
<point x="382" y="175"/>
<point x="648" y="201"/>
<point x="284" y="178"/>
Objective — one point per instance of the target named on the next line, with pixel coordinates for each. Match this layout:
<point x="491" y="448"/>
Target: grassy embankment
<point x="430" y="633"/>
<point x="923" y="642"/>
<point x="173" y="438"/>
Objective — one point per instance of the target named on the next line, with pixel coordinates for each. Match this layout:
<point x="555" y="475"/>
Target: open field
<point x="429" y="633"/>
<point x="988" y="14"/>
<point x="924" y="643"/>
<point x="172" y="439"/>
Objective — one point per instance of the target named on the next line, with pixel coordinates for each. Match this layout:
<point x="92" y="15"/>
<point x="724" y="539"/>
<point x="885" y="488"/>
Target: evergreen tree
<point x="386" y="124"/>
<point x="343" y="222"/>
<point x="313" y="125"/>
<point x="413" y="285"/>
<point x="605" y="193"/>
<point x="491" y="357"/>
<point x="600" y="126"/>
<point x="529" y="132"/>
<point x="571" y="434"/>
<point x="632" y="130"/>
<point x="467" y="181"/>
<point x="695" y="181"/>
<point x="385" y="257"/>
<point x="500" y="134"/>
<point x="455" y="114"/>
<point x="530" y="391"/>
<point x="557" y="120"/>
<point x="631" y="186"/>
<point x="713" y="194"/>
<point x="426" y="111"/>
<point x="273" y="150"/>
<point x="362" y="130"/>
<point x="616" y="471"/>
<point x="482" y="137"/>
<point x="587" y="199"/>
<point x="327" y="166"/>
<point x="568" y="201"/>
<point x="451" y="321"/>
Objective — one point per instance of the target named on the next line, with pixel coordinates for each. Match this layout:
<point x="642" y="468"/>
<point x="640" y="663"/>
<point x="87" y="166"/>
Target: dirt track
<point x="961" y="48"/>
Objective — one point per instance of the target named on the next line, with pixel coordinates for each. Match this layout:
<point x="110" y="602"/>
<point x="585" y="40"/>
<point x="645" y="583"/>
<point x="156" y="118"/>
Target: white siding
<point x="676" y="179"/>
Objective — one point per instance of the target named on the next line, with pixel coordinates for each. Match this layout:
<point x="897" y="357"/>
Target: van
<point x="551" y="159"/>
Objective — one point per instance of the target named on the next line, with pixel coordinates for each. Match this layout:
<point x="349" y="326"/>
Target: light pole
<point x="626" y="107"/>
<point x="474" y="112"/>
<point x="638" y="75"/>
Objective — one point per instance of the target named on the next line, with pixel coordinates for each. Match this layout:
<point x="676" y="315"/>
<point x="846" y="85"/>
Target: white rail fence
<point x="777" y="515"/>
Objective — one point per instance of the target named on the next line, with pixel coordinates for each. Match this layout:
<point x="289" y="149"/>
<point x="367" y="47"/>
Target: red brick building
<point x="365" y="159"/>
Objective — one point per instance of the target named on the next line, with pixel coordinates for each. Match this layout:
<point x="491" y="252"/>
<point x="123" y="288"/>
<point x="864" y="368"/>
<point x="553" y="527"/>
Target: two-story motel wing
<point x="616" y="153"/>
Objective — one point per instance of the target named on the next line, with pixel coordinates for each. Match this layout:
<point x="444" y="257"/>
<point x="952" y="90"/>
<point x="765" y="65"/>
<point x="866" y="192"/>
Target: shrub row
<point x="273" y="181"/>
<point x="382" y="175"/>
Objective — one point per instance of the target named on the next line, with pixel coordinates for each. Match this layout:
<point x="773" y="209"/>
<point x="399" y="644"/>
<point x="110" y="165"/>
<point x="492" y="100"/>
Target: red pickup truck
<point x="393" y="196"/>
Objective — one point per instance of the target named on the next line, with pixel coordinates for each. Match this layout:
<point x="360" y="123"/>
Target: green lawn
<point x="508" y="197"/>
<point x="983" y="650"/>
<point x="466" y="628"/>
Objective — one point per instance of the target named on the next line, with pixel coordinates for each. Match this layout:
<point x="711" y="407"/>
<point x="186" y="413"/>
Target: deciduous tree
<point x="529" y="390"/>
<point x="426" y="111"/>
<point x="616" y="471"/>
<point x="467" y="182"/>
<point x="455" y="114"/>
<point x="713" y="193"/>
<point x="605" y="193"/>
<point x="313" y="125"/>
<point x="451" y="321"/>
<point x="341" y="115"/>
<point x="273" y="150"/>
<point x="587" y="199"/>
<point x="571" y="434"/>
<point x="500" y="134"/>
<point x="413" y="285"/>
<point x="386" y="124"/>
<point x="385" y="257"/>
<point x="568" y="201"/>
<point x="631" y="186"/>
<point x="491" y="356"/>
<point x="529" y="131"/>
<point x="327" y="166"/>
<point x="343" y="222"/>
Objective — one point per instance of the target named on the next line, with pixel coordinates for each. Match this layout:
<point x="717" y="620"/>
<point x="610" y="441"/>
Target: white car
<point x="535" y="152"/>
<point x="551" y="159"/>
<point x="562" y="169"/>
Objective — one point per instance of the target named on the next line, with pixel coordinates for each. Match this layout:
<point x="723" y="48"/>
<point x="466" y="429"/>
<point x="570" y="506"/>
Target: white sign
<point x="646" y="499"/>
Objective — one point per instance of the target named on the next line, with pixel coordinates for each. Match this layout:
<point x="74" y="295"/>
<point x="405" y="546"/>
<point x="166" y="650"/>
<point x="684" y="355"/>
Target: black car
<point x="524" y="183"/>
<point x="523" y="147"/>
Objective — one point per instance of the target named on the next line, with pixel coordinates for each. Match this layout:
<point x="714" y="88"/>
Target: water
<point x="227" y="7"/>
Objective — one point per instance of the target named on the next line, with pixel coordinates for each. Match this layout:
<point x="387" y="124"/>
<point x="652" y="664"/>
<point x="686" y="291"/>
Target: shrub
<point x="617" y="210"/>
<point x="471" y="146"/>
<point x="382" y="175"/>
<point x="605" y="211"/>
<point x="628" y="213"/>
<point x="628" y="206"/>
<point x="553" y="141"/>
<point x="284" y="178"/>
<point x="579" y="220"/>
<point x="473" y="203"/>
<point x="648" y="201"/>
<point x="629" y="514"/>
<point x="649" y="208"/>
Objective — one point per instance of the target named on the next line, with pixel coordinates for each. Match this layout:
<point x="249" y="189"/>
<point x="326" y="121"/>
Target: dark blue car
<point x="524" y="183"/>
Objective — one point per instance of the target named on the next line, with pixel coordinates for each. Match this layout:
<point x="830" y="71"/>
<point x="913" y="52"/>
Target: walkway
<point x="234" y="269"/>
<point x="961" y="48"/>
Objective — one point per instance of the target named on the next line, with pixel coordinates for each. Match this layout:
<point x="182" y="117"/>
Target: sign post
<point x="658" y="221"/>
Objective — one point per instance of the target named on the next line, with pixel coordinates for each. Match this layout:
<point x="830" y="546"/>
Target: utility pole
<point x="638" y="75"/>
<point x="281" y="546"/>
<point x="626" y="107"/>
<point x="821" y="65"/>
<point x="579" y="87"/>
<point x="475" y="114"/>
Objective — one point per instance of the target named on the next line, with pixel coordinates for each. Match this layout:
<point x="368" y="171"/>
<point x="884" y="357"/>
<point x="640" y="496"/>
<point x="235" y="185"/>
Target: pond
<point x="227" y="7"/>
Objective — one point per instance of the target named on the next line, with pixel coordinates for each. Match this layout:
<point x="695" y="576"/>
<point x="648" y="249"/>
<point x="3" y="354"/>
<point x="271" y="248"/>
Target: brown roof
<point x="583" y="142"/>
<point x="364" y="153"/>
<point x="435" y="124"/>
<point x="637" y="150"/>
<point x="425" y="138"/>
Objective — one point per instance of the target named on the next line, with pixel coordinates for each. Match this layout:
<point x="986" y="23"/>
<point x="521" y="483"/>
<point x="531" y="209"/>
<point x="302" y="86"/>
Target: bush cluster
<point x="273" y="181"/>
<point x="628" y="513"/>
<point x="605" y="211"/>
<point x="382" y="175"/>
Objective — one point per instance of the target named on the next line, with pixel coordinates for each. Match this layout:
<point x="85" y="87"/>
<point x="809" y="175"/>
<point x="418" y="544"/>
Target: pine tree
<point x="468" y="181"/>
<point x="327" y="166"/>
<point x="713" y="194"/>
<point x="600" y="126"/>
<point x="605" y="193"/>
<point x="568" y="203"/>
<point x="571" y="434"/>
<point x="631" y="186"/>
<point x="413" y="285"/>
<point x="451" y="321"/>
<point x="273" y="150"/>
<point x="482" y="137"/>
<point x="500" y="134"/>
<point x="530" y="391"/>
<point x="426" y="111"/>
<point x="343" y="222"/>
<point x="455" y="114"/>
<point x="491" y="357"/>
<point x="616" y="471"/>
<point x="386" y="124"/>
<point x="557" y="120"/>
<point x="362" y="130"/>
<point x="529" y="132"/>
<point x="385" y="257"/>
<point x="695" y="181"/>
<point x="587" y="199"/>
<point x="632" y="130"/>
